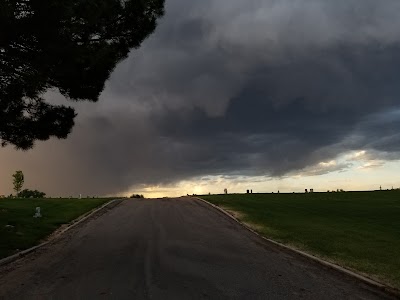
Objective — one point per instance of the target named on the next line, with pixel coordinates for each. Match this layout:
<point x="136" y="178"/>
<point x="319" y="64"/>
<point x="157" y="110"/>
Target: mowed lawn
<point x="358" y="230"/>
<point x="27" y="231"/>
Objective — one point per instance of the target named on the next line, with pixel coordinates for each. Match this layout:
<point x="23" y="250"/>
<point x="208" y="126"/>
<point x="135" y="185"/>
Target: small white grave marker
<point x="37" y="214"/>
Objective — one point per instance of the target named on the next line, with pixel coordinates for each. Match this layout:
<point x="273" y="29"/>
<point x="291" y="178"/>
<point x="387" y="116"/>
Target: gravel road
<point x="170" y="249"/>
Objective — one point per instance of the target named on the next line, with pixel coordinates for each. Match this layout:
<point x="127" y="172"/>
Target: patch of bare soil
<point x="241" y="217"/>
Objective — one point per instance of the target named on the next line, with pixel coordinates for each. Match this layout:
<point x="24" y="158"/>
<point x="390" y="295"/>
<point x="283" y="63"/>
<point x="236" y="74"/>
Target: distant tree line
<point x="136" y="196"/>
<point x="18" y="182"/>
<point x="26" y="193"/>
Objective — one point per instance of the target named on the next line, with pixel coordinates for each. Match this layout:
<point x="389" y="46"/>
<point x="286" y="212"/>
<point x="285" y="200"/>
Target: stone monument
<point x="37" y="214"/>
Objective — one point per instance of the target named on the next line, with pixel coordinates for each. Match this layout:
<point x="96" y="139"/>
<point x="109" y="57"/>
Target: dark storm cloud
<point x="246" y="88"/>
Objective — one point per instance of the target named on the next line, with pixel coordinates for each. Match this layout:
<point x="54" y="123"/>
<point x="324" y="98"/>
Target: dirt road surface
<point x="171" y="249"/>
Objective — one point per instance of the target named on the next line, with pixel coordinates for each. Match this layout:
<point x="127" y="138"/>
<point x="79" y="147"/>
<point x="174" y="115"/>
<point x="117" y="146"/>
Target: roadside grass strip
<point x="356" y="230"/>
<point x="19" y="230"/>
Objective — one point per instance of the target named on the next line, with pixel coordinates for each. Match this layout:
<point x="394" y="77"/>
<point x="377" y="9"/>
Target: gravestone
<point x="37" y="214"/>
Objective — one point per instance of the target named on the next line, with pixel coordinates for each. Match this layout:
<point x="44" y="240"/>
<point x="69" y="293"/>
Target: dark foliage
<point x="136" y="196"/>
<point x="18" y="180"/>
<point x="69" y="45"/>
<point x="31" y="194"/>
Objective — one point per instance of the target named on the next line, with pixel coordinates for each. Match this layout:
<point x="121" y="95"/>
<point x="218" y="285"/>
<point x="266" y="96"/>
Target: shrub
<point x="26" y="193"/>
<point x="136" y="196"/>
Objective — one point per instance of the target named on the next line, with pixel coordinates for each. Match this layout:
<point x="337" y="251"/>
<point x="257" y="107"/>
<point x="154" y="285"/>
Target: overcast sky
<point x="271" y="94"/>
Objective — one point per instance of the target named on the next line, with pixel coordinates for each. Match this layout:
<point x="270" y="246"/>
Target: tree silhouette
<point x="26" y="193"/>
<point x="69" y="45"/>
<point x="18" y="181"/>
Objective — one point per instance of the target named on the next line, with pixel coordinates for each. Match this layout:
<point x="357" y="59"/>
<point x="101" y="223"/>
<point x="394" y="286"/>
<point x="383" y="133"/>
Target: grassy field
<point x="27" y="231"/>
<point x="359" y="230"/>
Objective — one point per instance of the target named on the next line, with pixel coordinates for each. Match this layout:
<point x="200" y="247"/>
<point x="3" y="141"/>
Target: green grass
<point x="28" y="231"/>
<point x="358" y="230"/>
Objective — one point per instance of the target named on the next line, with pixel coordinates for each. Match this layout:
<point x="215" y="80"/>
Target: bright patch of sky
<point x="360" y="171"/>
